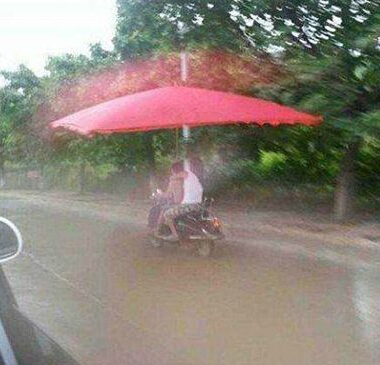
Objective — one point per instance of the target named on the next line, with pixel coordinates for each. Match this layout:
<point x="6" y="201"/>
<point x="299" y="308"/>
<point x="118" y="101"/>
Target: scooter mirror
<point x="10" y="240"/>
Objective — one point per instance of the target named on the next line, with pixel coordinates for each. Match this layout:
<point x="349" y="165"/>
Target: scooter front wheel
<point x="154" y="241"/>
<point x="205" y="248"/>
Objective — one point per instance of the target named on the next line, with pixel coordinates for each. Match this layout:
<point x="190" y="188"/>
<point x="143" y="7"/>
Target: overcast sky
<point x="30" y="30"/>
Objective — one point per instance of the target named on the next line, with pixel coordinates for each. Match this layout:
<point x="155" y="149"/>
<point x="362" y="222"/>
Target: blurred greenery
<point x="329" y="56"/>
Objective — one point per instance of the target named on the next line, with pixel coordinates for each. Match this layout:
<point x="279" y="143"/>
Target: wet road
<point x="93" y="285"/>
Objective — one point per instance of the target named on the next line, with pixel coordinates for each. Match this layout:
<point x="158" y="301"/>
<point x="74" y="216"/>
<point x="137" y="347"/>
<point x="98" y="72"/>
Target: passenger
<point x="172" y="196"/>
<point x="186" y="192"/>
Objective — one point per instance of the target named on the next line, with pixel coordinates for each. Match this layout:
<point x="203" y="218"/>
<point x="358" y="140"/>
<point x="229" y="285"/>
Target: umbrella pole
<point x="176" y="143"/>
<point x="184" y="68"/>
<point x="185" y="128"/>
<point x="184" y="65"/>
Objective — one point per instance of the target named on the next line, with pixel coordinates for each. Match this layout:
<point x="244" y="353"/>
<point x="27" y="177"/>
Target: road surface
<point x="90" y="281"/>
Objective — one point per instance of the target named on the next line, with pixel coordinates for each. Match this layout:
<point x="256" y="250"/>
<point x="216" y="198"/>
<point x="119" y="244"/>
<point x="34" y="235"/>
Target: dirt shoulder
<point x="313" y="235"/>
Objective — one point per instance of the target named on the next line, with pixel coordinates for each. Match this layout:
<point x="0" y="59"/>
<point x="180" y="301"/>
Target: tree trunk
<point x="2" y="161"/>
<point x="2" y="172"/>
<point x="149" y="149"/>
<point x="150" y="155"/>
<point x="344" y="194"/>
<point x="82" y="176"/>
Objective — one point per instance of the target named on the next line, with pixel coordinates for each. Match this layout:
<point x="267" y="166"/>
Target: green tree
<point x="330" y="48"/>
<point x="18" y="100"/>
<point x="146" y="27"/>
<point x="336" y="73"/>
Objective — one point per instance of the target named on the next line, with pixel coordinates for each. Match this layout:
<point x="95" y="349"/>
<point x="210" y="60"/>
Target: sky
<point x="31" y="30"/>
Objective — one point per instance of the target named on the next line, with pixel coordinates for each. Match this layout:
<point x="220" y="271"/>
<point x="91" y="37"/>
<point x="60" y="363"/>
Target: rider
<point x="186" y="192"/>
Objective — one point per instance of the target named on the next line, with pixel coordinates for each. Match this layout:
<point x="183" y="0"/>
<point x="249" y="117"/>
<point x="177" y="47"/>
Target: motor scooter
<point x="201" y="228"/>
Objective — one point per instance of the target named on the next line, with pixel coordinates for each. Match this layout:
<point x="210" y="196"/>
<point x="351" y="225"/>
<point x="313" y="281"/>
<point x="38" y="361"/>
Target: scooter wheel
<point x="205" y="248"/>
<point x="155" y="242"/>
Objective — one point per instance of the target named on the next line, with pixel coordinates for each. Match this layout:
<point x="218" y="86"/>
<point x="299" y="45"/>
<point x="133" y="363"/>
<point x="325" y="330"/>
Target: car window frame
<point x="6" y="350"/>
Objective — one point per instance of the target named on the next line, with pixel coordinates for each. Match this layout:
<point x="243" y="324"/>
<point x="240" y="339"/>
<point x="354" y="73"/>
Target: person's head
<point x="177" y="167"/>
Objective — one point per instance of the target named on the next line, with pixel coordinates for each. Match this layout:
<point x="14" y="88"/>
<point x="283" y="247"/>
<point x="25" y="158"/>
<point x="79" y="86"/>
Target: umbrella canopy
<point x="173" y="107"/>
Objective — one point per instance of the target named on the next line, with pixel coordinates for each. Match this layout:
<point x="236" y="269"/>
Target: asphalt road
<point x="90" y="281"/>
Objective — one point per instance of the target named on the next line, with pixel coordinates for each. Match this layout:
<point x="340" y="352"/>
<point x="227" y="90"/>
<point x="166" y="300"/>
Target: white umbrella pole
<point x="184" y="64"/>
<point x="184" y="68"/>
<point x="185" y="128"/>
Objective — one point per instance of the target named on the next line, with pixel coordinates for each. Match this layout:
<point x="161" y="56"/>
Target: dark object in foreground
<point x="21" y="341"/>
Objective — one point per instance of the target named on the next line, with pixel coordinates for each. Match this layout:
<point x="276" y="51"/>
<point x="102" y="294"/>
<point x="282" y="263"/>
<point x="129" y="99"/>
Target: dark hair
<point x="177" y="167"/>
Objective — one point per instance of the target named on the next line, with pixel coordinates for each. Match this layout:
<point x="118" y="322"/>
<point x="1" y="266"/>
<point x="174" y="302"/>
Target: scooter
<point x="200" y="229"/>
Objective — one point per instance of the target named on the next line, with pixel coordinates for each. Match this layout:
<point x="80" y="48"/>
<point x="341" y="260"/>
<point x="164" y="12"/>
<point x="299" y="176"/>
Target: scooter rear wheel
<point x="155" y="242"/>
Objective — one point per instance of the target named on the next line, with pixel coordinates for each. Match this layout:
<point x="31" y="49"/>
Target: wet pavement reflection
<point x="100" y="291"/>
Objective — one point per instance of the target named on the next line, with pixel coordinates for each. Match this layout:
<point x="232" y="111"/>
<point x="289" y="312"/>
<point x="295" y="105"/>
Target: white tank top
<point x="193" y="190"/>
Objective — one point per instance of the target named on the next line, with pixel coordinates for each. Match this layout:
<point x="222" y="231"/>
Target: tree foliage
<point x="322" y="56"/>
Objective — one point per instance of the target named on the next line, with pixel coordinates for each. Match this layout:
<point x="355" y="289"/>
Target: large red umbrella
<point x="176" y="106"/>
